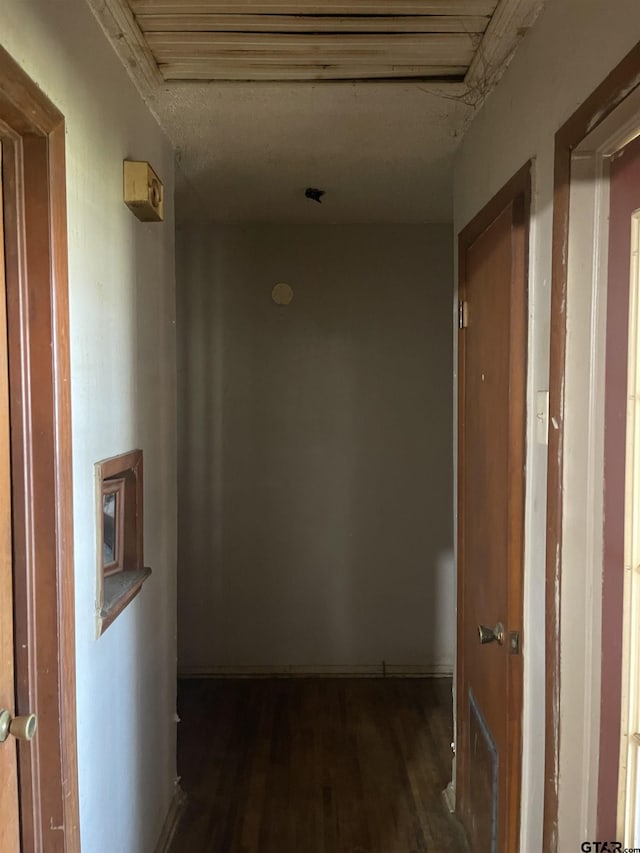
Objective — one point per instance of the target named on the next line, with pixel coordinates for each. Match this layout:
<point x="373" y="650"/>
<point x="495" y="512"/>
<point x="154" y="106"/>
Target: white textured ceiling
<point x="246" y="152"/>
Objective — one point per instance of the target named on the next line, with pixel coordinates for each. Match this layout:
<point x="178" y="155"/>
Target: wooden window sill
<point x="118" y="591"/>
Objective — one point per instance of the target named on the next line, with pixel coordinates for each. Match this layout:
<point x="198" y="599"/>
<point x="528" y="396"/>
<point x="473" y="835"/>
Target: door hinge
<point x="463" y="318"/>
<point x="514" y="642"/>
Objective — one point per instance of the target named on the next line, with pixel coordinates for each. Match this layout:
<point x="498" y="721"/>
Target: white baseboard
<point x="176" y="807"/>
<point x="322" y="671"/>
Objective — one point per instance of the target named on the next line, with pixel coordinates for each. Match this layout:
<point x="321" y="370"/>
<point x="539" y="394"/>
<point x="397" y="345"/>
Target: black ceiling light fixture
<point x="314" y="194"/>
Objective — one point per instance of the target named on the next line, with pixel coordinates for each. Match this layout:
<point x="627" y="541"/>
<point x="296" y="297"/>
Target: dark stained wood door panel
<point x="491" y="469"/>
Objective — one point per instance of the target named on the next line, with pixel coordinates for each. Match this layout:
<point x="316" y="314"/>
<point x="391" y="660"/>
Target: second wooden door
<point x="491" y="460"/>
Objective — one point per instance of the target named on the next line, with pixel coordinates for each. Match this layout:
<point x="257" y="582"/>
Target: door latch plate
<point x="514" y="642"/>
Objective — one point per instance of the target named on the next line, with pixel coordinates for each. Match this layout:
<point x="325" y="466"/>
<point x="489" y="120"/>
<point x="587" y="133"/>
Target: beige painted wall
<point x="571" y="49"/>
<point x="122" y="333"/>
<point x="315" y="447"/>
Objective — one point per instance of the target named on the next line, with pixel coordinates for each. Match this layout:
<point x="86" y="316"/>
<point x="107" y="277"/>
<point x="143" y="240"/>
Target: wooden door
<point x="34" y="323"/>
<point x="491" y="460"/>
<point x="9" y="820"/>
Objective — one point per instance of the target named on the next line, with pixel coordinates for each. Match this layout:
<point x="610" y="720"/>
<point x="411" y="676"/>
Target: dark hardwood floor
<point x="315" y="766"/>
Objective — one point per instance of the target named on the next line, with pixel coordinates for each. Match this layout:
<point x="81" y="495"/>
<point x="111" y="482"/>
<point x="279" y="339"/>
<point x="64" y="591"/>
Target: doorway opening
<point x="32" y="134"/>
<point x="626" y="218"/>
<point x="583" y="622"/>
<point x="320" y="459"/>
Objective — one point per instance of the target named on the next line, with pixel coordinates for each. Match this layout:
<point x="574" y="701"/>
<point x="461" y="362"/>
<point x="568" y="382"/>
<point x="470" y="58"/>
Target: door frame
<point x="516" y="191"/>
<point x="618" y="86"/>
<point x="33" y="137"/>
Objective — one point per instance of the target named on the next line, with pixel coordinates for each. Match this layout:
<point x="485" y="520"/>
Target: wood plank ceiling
<point x="291" y="40"/>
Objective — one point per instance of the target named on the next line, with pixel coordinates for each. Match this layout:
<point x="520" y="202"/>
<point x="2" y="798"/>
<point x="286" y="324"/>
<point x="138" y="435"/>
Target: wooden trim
<point x="121" y="588"/>
<point x="243" y="71"/>
<point x="63" y="486"/>
<point x="176" y="810"/>
<point x="33" y="136"/>
<point x="320" y="671"/>
<point x="241" y="23"/>
<point x="116" y="464"/>
<point x="516" y="192"/>
<point x="446" y="77"/>
<point x="122" y="30"/>
<point x="315" y="7"/>
<point x="517" y="487"/>
<point x="620" y="83"/>
<point x="510" y="21"/>
<point x="312" y="48"/>
<point x="16" y="89"/>
<point x="162" y="41"/>
<point x="620" y="507"/>
<point x="272" y="56"/>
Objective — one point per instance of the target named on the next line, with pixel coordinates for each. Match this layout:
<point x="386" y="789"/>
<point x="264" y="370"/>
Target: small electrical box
<point x="143" y="191"/>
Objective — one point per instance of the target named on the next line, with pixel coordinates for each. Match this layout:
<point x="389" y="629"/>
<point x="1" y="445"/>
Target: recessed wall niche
<point x="119" y="521"/>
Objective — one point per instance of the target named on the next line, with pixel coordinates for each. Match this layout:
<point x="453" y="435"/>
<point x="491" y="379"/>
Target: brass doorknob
<point x="22" y="728"/>
<point x="491" y="635"/>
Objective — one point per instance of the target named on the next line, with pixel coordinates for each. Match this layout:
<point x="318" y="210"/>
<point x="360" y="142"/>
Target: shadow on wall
<point x="138" y="649"/>
<point x="315" y="490"/>
<point x="123" y="372"/>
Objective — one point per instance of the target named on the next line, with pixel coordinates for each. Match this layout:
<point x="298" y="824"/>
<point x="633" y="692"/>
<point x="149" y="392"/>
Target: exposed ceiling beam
<point x="217" y="23"/>
<point x="422" y="37"/>
<point x="120" y="26"/>
<point x="246" y="71"/>
<point x="426" y="49"/>
<point x="314" y="7"/>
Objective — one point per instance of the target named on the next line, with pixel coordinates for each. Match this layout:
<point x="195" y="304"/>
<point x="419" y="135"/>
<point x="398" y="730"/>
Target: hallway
<point x="315" y="766"/>
<point x="235" y="404"/>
